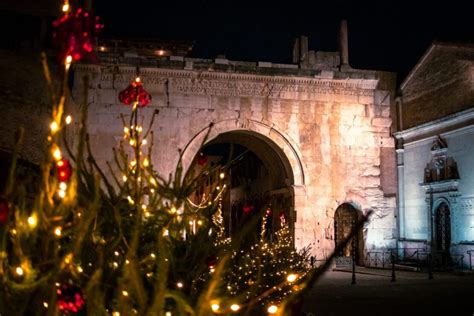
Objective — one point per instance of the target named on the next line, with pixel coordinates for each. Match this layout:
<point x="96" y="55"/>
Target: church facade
<point x="320" y="130"/>
<point x="435" y="151"/>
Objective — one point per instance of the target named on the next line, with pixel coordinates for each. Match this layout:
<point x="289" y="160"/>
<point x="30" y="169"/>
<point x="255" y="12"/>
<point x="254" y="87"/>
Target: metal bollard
<point x="430" y="267"/>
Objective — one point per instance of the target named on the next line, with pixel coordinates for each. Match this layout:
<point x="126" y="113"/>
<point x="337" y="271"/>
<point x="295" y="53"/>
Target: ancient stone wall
<point x="330" y="129"/>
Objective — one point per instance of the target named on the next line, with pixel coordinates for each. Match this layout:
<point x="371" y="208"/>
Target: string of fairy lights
<point x="272" y="262"/>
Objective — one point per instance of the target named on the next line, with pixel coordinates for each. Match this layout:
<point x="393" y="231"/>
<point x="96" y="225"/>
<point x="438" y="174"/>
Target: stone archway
<point x="346" y="217"/>
<point x="274" y="184"/>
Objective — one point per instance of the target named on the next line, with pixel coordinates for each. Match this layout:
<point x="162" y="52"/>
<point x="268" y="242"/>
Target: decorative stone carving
<point x="441" y="167"/>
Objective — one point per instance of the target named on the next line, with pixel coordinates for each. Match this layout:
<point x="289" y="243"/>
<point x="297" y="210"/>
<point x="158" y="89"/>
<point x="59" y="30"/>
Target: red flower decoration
<point x="4" y="210"/>
<point x="135" y="92"/>
<point x="64" y="170"/>
<point x="75" y="35"/>
<point x="70" y="298"/>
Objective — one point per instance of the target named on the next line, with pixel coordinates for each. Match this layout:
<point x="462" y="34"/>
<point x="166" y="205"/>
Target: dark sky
<point x="384" y="34"/>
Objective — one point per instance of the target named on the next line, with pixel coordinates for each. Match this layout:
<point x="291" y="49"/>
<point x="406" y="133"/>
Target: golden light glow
<point x="130" y="200"/>
<point x="62" y="194"/>
<point x="146" y="163"/>
<point x="115" y="314"/>
<point x="58" y="231"/>
<point x="137" y="79"/>
<point x="65" y="7"/>
<point x="19" y="271"/>
<point x="68" y="119"/>
<point x="166" y="232"/>
<point x="291" y="277"/>
<point x="215" y="307"/>
<point x="234" y="307"/>
<point x="124" y="178"/>
<point x="144" y="142"/>
<point x="199" y="222"/>
<point x="272" y="309"/>
<point x="126" y="130"/>
<point x="115" y="264"/>
<point x="124" y="293"/>
<point x="152" y="255"/>
<point x="63" y="186"/>
<point x="45" y="305"/>
<point x="168" y="314"/>
<point x="57" y="153"/>
<point x="68" y="61"/>
<point x="179" y="285"/>
<point x="79" y="269"/>
<point x="132" y="142"/>
<point x="173" y="210"/>
<point x="54" y="127"/>
<point x="222" y="175"/>
<point x="133" y="163"/>
<point x="32" y="221"/>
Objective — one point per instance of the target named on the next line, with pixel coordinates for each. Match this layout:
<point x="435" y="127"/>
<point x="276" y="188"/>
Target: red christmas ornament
<point x="211" y="262"/>
<point x="64" y="170"/>
<point x="75" y="34"/>
<point x="135" y="92"/>
<point x="4" y="210"/>
<point x="202" y="160"/>
<point x="70" y="298"/>
<point x="248" y="208"/>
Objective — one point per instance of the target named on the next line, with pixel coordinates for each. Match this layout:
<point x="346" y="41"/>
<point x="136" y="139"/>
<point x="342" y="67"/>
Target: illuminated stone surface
<point x="330" y="129"/>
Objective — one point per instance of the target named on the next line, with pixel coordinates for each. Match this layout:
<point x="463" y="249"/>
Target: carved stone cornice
<point x="234" y="84"/>
<point x="441" y="186"/>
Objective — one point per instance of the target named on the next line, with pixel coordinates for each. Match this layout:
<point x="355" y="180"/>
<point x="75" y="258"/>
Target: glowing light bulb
<point x="291" y="277"/>
<point x="58" y="231"/>
<point x="63" y="186"/>
<point x="62" y="194"/>
<point x="57" y="153"/>
<point x="45" y="304"/>
<point x="124" y="293"/>
<point x="68" y="61"/>
<point x="130" y="200"/>
<point x="65" y="7"/>
<point x="68" y="119"/>
<point x="115" y="314"/>
<point x="173" y="210"/>
<point x="126" y="130"/>
<point x="137" y="79"/>
<point x="168" y="314"/>
<point x="152" y="255"/>
<point x="272" y="309"/>
<point x="116" y="253"/>
<point x="146" y="163"/>
<point x="124" y="178"/>
<point x="222" y="175"/>
<point x="54" y="127"/>
<point x="144" y="142"/>
<point x="19" y="271"/>
<point x="132" y="142"/>
<point x="32" y="221"/>
<point x="79" y="269"/>
<point x="235" y="307"/>
<point x="215" y="307"/>
<point x="166" y="232"/>
<point x="179" y="285"/>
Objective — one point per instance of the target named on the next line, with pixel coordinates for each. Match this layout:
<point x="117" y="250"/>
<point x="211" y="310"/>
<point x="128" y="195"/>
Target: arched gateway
<point x="320" y="132"/>
<point x="271" y="173"/>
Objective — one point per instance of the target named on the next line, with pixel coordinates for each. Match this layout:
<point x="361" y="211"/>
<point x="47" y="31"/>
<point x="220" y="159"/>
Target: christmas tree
<point x="129" y="241"/>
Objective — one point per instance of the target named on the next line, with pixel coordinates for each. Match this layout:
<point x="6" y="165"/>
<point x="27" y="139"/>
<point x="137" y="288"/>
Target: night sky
<point x="383" y="35"/>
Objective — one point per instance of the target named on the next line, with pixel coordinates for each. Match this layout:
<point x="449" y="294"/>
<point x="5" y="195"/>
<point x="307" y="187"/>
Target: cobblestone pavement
<point x="412" y="293"/>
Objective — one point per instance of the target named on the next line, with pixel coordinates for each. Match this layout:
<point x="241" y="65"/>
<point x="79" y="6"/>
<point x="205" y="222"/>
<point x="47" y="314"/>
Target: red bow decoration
<point x="135" y="92"/>
<point x="75" y="34"/>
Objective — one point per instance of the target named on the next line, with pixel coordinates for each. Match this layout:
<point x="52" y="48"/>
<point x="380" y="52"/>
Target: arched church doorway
<point x="259" y="179"/>
<point x="345" y="219"/>
<point x="443" y="233"/>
